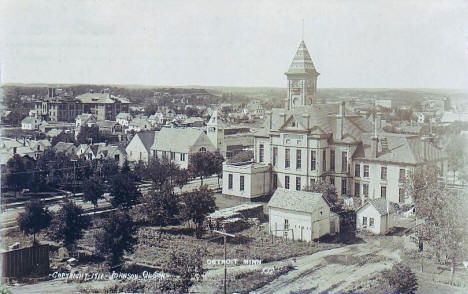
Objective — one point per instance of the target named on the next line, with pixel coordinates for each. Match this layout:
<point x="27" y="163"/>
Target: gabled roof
<point x="33" y="143"/>
<point x="64" y="147"/>
<point x="178" y="140"/>
<point x="147" y="138"/>
<point x="302" y="201"/>
<point x="406" y="149"/>
<point x="31" y="120"/>
<point x="54" y="132"/>
<point x="124" y="115"/>
<point x="380" y="204"/>
<point x="302" y="63"/>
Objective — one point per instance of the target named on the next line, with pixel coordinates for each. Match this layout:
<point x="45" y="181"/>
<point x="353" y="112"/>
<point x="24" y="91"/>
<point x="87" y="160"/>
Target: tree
<point x="455" y="151"/>
<point x="161" y="206"/>
<point x="187" y="266"/>
<point x="93" y="190"/>
<point x="34" y="218"/>
<point x="203" y="164"/>
<point x="124" y="191"/>
<point x="115" y="237"/>
<point x="443" y="231"/>
<point x="68" y="223"/>
<point x="196" y="205"/>
<point x="18" y="172"/>
<point x="329" y="192"/>
<point x="401" y="279"/>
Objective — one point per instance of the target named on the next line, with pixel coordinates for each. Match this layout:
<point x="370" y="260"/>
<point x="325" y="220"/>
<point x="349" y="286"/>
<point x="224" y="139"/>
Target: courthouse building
<point x="309" y="140"/>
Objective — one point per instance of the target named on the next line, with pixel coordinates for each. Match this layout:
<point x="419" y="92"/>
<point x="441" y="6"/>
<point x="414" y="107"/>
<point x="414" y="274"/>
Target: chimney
<point x="270" y="118"/>
<point x="283" y="116"/>
<point x="379" y="120"/>
<point x="306" y="117"/>
<point x="340" y="120"/>
<point x="374" y="146"/>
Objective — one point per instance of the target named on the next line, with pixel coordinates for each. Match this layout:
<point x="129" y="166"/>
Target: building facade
<point x="309" y="141"/>
<point x="62" y="105"/>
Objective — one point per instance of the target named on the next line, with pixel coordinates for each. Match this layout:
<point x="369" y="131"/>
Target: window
<point x="324" y="160"/>
<point x="172" y="155"/>
<point x="164" y="155"/>
<point x="202" y="149"/>
<point x="402" y="176"/>
<point x="261" y="153"/>
<point x="275" y="181"/>
<point x="357" y="189"/>
<point x="117" y="157"/>
<point x="383" y="172"/>
<point x="364" y="221"/>
<point x="287" y="160"/>
<point x="286" y="182"/>
<point x="344" y="162"/>
<point x="298" y="183"/>
<point x="357" y="170"/>
<point x="383" y="192"/>
<point x="343" y="187"/>
<point x="286" y="224"/>
<point x="366" y="171"/>
<point x="313" y="159"/>
<point x="230" y="181"/>
<point x="298" y="159"/>
<point x="241" y="183"/>
<point x="365" y="190"/>
<point x="275" y="155"/>
<point x="371" y="222"/>
<point x="332" y="160"/>
<point x="401" y="195"/>
<point x="182" y="156"/>
<point x="312" y="182"/>
<point x="332" y="181"/>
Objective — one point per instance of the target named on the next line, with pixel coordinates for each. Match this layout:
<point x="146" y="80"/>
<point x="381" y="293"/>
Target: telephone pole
<point x="225" y="235"/>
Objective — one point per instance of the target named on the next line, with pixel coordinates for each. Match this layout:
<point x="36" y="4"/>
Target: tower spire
<point x="302" y="35"/>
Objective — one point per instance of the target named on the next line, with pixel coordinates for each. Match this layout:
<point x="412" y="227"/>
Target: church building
<point x="311" y="140"/>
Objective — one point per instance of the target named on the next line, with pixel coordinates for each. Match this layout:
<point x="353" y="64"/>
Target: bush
<point x="401" y="279"/>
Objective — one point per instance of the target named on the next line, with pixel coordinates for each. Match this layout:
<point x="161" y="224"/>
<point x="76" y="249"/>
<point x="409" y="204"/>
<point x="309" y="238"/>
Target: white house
<point x="299" y="215"/>
<point x="138" y="124"/>
<point x="123" y="118"/>
<point x="246" y="180"/>
<point x="376" y="216"/>
<point x="87" y="119"/>
<point x="178" y="144"/>
<point x="139" y="148"/>
<point x="156" y="119"/>
<point x="31" y="123"/>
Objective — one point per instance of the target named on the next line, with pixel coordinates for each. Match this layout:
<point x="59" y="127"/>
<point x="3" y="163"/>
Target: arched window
<point x="202" y="149"/>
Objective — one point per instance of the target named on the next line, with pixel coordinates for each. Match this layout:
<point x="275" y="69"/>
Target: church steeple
<point x="302" y="79"/>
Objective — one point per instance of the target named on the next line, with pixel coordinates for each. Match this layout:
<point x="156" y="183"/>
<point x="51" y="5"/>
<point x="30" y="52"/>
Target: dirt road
<point x="335" y="270"/>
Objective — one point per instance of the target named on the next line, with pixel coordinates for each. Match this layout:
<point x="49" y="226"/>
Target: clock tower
<point x="302" y="80"/>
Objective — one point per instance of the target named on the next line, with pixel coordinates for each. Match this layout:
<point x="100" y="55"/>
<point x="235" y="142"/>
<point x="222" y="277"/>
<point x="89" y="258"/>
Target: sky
<point x="354" y="44"/>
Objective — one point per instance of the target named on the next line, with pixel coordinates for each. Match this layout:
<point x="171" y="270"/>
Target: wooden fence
<point x="26" y="262"/>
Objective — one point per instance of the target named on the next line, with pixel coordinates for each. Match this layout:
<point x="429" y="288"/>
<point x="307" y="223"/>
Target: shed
<point x="299" y="215"/>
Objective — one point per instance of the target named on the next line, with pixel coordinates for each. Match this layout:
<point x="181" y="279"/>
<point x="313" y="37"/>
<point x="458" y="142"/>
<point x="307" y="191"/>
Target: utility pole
<point x="225" y="235"/>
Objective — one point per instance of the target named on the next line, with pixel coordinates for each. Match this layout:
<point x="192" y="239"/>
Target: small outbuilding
<point x="376" y="216"/>
<point x="299" y="215"/>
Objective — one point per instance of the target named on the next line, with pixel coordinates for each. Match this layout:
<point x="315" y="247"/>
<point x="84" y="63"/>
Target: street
<point x="9" y="215"/>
